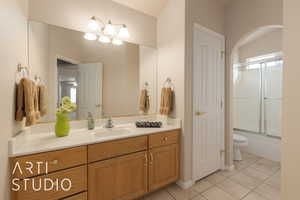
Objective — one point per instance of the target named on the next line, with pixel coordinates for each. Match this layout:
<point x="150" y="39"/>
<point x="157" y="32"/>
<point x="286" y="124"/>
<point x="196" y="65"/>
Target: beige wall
<point x="39" y="49"/>
<point x="75" y="15"/>
<point x="241" y="18"/>
<point x="291" y="98"/>
<point x="171" y="55"/>
<point x="121" y="66"/>
<point x="267" y="43"/>
<point x="13" y="40"/>
<point x="148" y="73"/>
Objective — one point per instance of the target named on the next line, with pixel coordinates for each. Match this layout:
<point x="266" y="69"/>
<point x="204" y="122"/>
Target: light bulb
<point x="117" y="42"/>
<point x="123" y="33"/>
<point x="109" y="29"/>
<point x="93" y="24"/>
<point x="90" y="36"/>
<point x="104" y="39"/>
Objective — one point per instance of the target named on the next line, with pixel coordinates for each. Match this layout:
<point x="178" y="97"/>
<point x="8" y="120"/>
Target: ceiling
<point x="150" y="7"/>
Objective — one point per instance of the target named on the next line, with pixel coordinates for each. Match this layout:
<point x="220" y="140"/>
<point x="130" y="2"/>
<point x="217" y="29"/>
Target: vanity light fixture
<point x="117" y="42"/>
<point x="109" y="29"/>
<point x="90" y="36"/>
<point x="123" y="32"/>
<point x="104" y="39"/>
<point x="106" y="33"/>
<point x="93" y="24"/>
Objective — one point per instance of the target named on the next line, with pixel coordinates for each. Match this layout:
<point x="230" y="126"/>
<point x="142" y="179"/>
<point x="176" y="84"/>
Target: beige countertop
<point x="27" y="143"/>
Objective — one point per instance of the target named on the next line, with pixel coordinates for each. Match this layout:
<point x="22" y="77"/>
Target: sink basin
<point x="104" y="132"/>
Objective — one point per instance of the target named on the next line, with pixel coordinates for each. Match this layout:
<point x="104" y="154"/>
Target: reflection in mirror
<point x="103" y="79"/>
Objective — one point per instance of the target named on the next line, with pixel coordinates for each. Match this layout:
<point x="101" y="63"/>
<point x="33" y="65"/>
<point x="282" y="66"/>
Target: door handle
<point x="198" y="113"/>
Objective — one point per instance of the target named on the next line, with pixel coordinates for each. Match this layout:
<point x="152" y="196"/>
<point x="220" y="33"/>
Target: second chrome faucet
<point x="109" y="123"/>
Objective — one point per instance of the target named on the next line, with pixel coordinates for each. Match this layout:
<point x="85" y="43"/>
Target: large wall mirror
<point x="103" y="79"/>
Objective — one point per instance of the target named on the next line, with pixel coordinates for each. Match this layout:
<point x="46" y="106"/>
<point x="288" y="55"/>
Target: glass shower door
<point x="273" y="72"/>
<point x="247" y="98"/>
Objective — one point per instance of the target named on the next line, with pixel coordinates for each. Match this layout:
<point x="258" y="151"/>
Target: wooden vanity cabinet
<point x="123" y="178"/>
<point x="123" y="169"/>
<point x="163" y="166"/>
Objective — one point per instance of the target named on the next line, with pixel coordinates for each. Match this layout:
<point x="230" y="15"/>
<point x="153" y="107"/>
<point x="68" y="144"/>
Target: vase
<point x="62" y="126"/>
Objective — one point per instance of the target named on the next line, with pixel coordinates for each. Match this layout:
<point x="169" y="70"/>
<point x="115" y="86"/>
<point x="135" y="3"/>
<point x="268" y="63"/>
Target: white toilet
<point x="238" y="141"/>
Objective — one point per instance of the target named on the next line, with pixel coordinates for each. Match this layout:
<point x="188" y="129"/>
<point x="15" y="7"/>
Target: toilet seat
<point x="239" y="138"/>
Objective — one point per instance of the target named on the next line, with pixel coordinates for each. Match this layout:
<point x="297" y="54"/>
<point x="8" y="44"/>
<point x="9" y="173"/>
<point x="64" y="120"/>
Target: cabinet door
<point x="163" y="166"/>
<point x="123" y="178"/>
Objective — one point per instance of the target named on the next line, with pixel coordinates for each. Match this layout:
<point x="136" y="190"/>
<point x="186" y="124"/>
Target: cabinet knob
<point x="165" y="139"/>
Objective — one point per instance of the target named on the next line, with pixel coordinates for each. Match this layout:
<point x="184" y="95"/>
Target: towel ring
<point x="168" y="83"/>
<point x="146" y="84"/>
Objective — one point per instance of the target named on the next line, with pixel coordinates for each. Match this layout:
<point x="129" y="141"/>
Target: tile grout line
<point x="263" y="182"/>
<point x="250" y="190"/>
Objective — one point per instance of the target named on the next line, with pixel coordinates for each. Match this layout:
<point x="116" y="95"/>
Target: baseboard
<point x="185" y="184"/>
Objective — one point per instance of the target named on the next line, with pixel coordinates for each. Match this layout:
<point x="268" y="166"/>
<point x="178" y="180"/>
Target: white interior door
<point x="90" y="90"/>
<point x="208" y="95"/>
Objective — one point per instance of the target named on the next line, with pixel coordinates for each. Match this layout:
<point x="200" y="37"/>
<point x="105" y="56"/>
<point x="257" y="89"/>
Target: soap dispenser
<point x="91" y="121"/>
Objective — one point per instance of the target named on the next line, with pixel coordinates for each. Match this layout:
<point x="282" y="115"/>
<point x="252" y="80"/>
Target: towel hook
<point x="146" y="84"/>
<point x="37" y="79"/>
<point x="22" y="71"/>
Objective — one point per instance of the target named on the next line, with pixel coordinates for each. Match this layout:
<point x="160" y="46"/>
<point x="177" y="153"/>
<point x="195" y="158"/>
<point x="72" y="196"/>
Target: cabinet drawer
<point x="111" y="149"/>
<point x="165" y="138"/>
<point x="49" y="162"/>
<point x="81" y="196"/>
<point x="61" y="188"/>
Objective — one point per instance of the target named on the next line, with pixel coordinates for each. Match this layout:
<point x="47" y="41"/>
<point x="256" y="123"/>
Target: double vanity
<point x="119" y="163"/>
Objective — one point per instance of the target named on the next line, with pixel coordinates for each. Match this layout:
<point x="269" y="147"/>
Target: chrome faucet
<point x="109" y="123"/>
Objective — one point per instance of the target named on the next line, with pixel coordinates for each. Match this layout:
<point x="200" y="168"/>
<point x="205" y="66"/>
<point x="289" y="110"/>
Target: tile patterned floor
<point x="254" y="178"/>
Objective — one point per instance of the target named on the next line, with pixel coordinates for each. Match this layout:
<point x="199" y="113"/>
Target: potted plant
<point x="62" y="126"/>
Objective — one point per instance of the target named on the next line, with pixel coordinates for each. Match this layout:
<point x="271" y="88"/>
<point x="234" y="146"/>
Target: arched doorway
<point x="234" y="59"/>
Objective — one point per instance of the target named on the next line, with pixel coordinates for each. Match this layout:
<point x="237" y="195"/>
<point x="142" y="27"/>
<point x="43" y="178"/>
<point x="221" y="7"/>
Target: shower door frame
<point x="262" y="108"/>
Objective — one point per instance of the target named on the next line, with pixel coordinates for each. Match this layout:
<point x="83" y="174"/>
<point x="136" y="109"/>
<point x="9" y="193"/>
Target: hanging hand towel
<point x="42" y="96"/>
<point x="26" y="102"/>
<point x="166" y="102"/>
<point x="36" y="101"/>
<point x="29" y="102"/>
<point x="20" y="102"/>
<point x="144" y="101"/>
